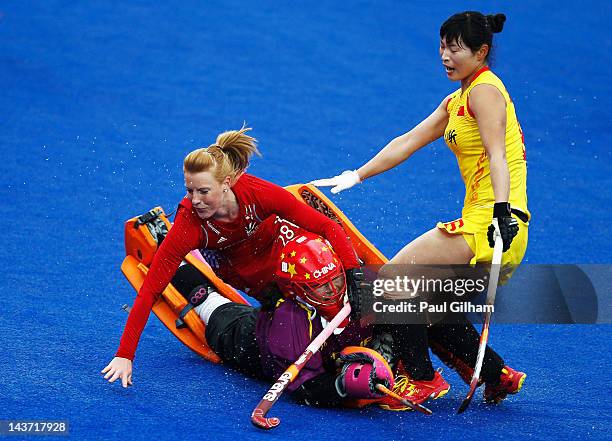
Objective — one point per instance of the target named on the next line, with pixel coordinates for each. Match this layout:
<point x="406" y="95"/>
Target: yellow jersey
<point x="463" y="138"/>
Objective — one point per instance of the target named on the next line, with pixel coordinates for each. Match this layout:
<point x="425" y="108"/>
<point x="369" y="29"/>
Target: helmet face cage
<point x="327" y="297"/>
<point x="327" y="293"/>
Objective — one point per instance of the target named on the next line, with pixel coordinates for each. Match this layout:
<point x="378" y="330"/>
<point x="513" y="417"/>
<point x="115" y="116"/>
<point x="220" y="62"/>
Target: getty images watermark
<point x="423" y="294"/>
<point x="538" y="294"/>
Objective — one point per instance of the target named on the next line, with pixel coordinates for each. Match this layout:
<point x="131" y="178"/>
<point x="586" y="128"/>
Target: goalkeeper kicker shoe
<point x="415" y="391"/>
<point x="510" y="382"/>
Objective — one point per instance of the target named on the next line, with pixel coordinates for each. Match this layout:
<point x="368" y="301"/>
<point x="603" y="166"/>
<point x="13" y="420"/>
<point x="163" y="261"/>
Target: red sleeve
<point x="277" y="200"/>
<point x="183" y="237"/>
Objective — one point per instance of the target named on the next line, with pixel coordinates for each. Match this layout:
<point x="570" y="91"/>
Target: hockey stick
<point x="484" y="336"/>
<point x="410" y="404"/>
<point x="258" y="417"/>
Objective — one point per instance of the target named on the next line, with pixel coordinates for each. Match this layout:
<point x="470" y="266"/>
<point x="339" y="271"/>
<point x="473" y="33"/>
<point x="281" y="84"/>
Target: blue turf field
<point x="101" y="100"/>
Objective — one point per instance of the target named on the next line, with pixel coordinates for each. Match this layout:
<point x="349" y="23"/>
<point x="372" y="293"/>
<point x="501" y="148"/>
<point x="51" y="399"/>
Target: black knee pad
<point x="187" y="278"/>
<point x="192" y="285"/>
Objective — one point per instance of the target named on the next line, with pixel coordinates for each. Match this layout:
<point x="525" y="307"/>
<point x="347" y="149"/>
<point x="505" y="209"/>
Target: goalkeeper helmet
<point x="310" y="269"/>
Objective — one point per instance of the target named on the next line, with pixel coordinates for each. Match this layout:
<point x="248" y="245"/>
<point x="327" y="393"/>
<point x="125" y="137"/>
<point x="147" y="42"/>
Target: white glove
<point x="346" y="180"/>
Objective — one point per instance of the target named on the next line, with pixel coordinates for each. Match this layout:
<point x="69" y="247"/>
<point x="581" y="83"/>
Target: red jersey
<point x="243" y="252"/>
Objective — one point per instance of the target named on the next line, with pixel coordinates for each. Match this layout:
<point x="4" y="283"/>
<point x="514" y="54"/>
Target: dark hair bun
<point x="496" y="22"/>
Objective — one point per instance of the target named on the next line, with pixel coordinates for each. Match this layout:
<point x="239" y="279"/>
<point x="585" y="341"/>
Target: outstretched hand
<point x="344" y="181"/>
<point x="119" y="368"/>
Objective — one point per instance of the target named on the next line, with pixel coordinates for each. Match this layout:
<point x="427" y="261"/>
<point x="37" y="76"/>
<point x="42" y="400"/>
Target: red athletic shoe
<point x="415" y="391"/>
<point x="510" y="382"/>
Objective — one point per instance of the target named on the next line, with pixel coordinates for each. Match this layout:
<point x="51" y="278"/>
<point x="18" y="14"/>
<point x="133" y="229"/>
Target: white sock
<point x="206" y="309"/>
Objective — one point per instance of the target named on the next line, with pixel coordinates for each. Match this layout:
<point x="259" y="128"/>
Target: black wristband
<point x="502" y="209"/>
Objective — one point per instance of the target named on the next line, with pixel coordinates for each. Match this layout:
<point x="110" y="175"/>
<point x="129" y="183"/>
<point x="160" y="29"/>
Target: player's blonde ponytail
<point x="228" y="156"/>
